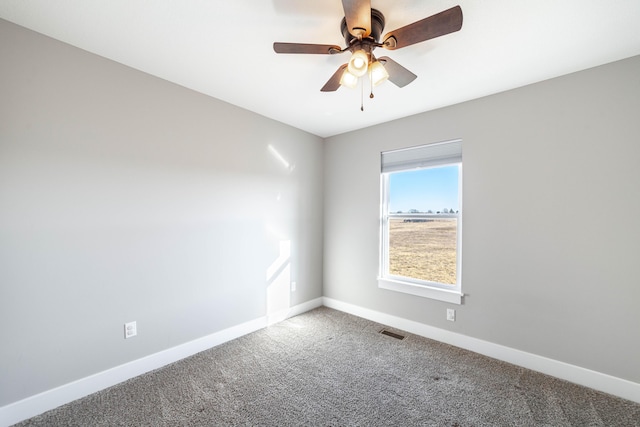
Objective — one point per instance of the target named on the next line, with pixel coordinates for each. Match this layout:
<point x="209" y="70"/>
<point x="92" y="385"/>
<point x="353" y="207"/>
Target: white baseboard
<point x="575" y="374"/>
<point x="50" y="399"/>
<point x="279" y="316"/>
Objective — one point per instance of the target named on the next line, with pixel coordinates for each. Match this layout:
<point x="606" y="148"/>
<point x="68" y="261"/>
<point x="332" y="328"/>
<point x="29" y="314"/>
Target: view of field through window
<point x="423" y="250"/>
<point x="423" y="224"/>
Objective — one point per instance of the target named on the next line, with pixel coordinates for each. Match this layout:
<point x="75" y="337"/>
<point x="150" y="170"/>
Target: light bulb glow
<point x="378" y="73"/>
<point x="348" y="79"/>
<point x="359" y="62"/>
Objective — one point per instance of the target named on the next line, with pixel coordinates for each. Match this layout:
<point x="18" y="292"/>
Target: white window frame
<point x="445" y="153"/>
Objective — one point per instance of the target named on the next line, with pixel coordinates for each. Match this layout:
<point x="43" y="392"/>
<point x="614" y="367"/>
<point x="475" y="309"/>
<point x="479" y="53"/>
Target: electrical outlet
<point x="130" y="330"/>
<point x="451" y="315"/>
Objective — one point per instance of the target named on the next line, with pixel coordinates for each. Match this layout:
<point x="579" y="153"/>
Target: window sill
<point x="453" y="297"/>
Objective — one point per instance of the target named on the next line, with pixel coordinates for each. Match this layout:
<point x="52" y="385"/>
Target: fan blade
<point x="398" y="75"/>
<point x="321" y="49"/>
<point x="358" y="16"/>
<point x="442" y="23"/>
<point x="334" y="82"/>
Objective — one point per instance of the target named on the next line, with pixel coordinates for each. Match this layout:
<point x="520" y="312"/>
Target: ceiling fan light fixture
<point x="359" y="63"/>
<point x="378" y="74"/>
<point x="348" y="79"/>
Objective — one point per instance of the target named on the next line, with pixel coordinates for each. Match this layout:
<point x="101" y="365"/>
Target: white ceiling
<point x="224" y="49"/>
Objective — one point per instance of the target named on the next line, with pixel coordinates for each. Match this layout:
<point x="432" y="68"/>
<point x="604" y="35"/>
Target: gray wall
<point x="124" y="197"/>
<point x="551" y="238"/>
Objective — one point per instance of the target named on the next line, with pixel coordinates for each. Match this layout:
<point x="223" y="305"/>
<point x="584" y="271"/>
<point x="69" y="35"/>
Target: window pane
<point x="431" y="190"/>
<point x="423" y="249"/>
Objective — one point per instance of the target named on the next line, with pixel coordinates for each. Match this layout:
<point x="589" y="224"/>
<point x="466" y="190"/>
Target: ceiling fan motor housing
<point x="377" y="25"/>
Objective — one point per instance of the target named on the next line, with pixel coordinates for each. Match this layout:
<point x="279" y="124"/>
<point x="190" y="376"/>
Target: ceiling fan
<point x="361" y="28"/>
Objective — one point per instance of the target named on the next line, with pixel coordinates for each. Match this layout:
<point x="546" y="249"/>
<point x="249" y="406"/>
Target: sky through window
<point x="432" y="189"/>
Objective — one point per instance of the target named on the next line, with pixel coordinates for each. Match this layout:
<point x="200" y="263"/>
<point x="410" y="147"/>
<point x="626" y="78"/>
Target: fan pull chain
<point x="361" y="95"/>
<point x="370" y="84"/>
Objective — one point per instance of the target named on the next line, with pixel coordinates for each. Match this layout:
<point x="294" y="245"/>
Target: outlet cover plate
<point x="451" y="315"/>
<point x="130" y="330"/>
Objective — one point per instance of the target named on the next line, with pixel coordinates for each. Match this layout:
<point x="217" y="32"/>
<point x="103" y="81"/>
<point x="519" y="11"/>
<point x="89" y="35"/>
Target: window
<point x="420" y="250"/>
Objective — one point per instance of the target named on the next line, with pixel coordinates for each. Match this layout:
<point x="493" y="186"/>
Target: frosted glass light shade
<point x="378" y="73"/>
<point x="348" y="79"/>
<point x="359" y="63"/>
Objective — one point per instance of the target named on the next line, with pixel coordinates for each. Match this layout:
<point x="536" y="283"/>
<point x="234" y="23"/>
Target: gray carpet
<point x="328" y="368"/>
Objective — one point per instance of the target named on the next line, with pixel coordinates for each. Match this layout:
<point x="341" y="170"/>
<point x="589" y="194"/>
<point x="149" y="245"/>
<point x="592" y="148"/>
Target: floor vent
<point x="392" y="334"/>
